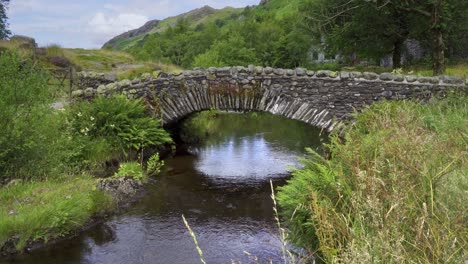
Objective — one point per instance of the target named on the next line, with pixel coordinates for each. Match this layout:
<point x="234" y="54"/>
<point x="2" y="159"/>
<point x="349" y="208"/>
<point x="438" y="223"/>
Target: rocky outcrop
<point x="123" y="190"/>
<point x="143" y="30"/>
<point x="319" y="98"/>
<point x="26" y="42"/>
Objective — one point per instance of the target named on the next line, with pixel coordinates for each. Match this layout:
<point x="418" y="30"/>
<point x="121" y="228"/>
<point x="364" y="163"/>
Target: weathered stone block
<point x="386" y="76"/>
<point x="345" y="75"/>
<point x="411" y="78"/>
<point x="370" y="75"/>
<point x="111" y="86"/>
<point x="268" y="70"/>
<point x="77" y="93"/>
<point x="101" y="89"/>
<point x="310" y="73"/>
<point x="433" y="80"/>
<point x="452" y="80"/>
<point x="356" y="74"/>
<point x="323" y="74"/>
<point x="278" y="71"/>
<point x="89" y="92"/>
<point x="300" y="71"/>
<point x="125" y="83"/>
<point x="398" y="78"/>
<point x="258" y="70"/>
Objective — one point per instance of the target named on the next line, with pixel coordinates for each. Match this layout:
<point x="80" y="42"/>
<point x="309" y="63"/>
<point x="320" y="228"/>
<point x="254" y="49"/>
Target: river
<point x="223" y="189"/>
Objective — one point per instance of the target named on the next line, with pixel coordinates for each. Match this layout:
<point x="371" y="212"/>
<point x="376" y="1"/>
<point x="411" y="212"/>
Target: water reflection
<point x="221" y="187"/>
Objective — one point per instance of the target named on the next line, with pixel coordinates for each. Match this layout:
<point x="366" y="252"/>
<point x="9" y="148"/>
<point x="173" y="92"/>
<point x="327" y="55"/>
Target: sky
<point x="90" y="23"/>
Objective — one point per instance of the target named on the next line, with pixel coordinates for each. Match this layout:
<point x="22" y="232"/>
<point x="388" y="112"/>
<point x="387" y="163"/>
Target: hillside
<point x="205" y="14"/>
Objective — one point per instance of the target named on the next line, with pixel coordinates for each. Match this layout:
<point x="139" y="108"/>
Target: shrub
<point x="131" y="169"/>
<point x="29" y="134"/>
<point x="154" y="165"/>
<point x="391" y="192"/>
<point x="124" y="123"/>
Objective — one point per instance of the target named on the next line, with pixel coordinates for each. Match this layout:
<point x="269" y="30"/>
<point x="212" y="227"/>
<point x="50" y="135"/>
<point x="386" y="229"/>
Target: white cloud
<point x="90" y="23"/>
<point x="103" y="26"/>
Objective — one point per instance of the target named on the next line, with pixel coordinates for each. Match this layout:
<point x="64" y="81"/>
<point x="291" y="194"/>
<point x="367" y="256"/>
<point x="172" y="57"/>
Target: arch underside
<point x="176" y="107"/>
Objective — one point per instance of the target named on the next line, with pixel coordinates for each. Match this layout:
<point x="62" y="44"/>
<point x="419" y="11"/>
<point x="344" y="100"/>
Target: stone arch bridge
<point x="321" y="98"/>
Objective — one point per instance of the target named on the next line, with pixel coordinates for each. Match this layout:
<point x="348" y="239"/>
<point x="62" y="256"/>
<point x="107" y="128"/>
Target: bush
<point x="29" y="134"/>
<point x="391" y="193"/>
<point x="154" y="165"/>
<point x="131" y="169"/>
<point x="122" y="122"/>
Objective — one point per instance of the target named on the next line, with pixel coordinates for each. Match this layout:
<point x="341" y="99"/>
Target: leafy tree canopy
<point x="4" y="32"/>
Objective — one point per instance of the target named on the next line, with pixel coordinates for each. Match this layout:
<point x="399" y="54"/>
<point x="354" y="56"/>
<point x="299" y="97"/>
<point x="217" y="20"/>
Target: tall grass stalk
<point x="287" y="256"/>
<point x="192" y="234"/>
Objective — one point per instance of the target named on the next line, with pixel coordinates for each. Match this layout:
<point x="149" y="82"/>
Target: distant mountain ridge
<point x="146" y="28"/>
<point x="127" y="39"/>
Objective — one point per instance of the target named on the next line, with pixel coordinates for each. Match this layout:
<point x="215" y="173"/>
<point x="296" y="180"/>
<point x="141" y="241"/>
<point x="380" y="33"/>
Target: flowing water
<point x="223" y="189"/>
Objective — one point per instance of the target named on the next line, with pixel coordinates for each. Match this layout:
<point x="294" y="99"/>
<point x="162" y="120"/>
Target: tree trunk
<point x="438" y="49"/>
<point x="438" y="56"/>
<point x="397" y="51"/>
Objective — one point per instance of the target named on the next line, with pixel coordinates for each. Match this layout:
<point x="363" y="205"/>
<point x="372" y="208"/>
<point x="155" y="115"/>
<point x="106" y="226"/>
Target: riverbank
<point x="393" y="191"/>
<point x="38" y="214"/>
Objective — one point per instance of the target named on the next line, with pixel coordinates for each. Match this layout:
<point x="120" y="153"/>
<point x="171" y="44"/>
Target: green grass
<point x="459" y="69"/>
<point x="221" y="14"/>
<point x="284" y="8"/>
<point x="394" y="190"/>
<point x="49" y="209"/>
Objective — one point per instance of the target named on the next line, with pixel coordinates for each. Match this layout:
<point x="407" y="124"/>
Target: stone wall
<point x="321" y="98"/>
<point x="94" y="79"/>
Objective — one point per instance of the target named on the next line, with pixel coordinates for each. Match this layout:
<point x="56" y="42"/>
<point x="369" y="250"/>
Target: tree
<point x="4" y="32"/>
<point x="375" y="27"/>
<point x="229" y="52"/>
<point x="358" y="28"/>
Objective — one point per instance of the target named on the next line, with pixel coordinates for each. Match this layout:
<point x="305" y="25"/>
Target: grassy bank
<point x="49" y="209"/>
<point x="394" y="190"/>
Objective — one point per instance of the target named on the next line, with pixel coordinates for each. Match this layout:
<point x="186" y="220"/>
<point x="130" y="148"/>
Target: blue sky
<point x="90" y="23"/>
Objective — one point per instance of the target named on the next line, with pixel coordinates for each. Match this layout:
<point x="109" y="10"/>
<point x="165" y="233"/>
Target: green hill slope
<point x="203" y="15"/>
